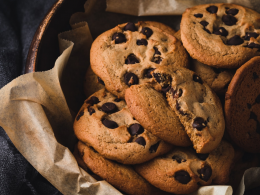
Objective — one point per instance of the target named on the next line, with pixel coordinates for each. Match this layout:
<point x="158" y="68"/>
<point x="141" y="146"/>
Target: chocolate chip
<point x="253" y="116"/>
<point x="100" y="81"/>
<point x="249" y="106"/>
<point x="109" y="124"/>
<point x="251" y="34"/>
<point x="91" y="111"/>
<point x="147" y="31"/>
<point x="198" y="15"/>
<point x="178" y="158"/>
<point x="182" y="177"/>
<point x="117" y="100"/>
<point x="253" y="45"/>
<point x="202" y="156"/>
<point x="255" y="76"/>
<point x="204" y="23"/>
<point x="141" y="141"/>
<point x="156" y="51"/>
<point x="165" y="89"/>
<point x="135" y="129"/>
<point x="157" y="60"/>
<point x="221" y="31"/>
<point x="196" y="78"/>
<point x="232" y="11"/>
<point x="80" y="115"/>
<point x="205" y="173"/>
<point x="199" y="123"/>
<point x="109" y="107"/>
<point x="157" y="77"/>
<point x="131" y="79"/>
<point x="130" y="26"/>
<point x="154" y="147"/>
<point x="93" y="100"/>
<point x="235" y="40"/>
<point x="212" y="9"/>
<point x="141" y="42"/>
<point x="131" y="59"/>
<point x="229" y="20"/>
<point x="257" y="99"/>
<point x="119" y="38"/>
<point x="148" y="72"/>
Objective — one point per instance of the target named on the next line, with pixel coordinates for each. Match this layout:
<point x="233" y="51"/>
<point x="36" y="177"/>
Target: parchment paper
<point x="38" y="118"/>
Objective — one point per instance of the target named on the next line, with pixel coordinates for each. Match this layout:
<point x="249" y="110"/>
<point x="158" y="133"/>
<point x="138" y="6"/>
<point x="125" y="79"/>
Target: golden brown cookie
<point x="221" y="35"/>
<point x="126" y="54"/>
<point x="106" y="124"/>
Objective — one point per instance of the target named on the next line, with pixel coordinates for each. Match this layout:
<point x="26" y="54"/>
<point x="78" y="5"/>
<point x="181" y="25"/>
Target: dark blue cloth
<point x="19" y="20"/>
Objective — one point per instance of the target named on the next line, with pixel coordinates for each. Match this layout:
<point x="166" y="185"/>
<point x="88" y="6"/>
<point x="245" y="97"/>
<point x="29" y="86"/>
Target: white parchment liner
<point x="38" y="120"/>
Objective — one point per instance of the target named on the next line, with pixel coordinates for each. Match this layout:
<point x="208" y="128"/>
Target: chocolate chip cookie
<point x="183" y="171"/>
<point x="151" y="109"/>
<point x="197" y="106"/>
<point x="242" y="106"/>
<point x="126" y="54"/>
<point x="121" y="176"/>
<point x="106" y="124"/>
<point x="221" y="35"/>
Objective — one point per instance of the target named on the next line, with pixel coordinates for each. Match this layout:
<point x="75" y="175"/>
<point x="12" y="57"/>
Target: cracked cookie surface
<point x="106" y="124"/>
<point x="221" y="35"/>
<point x="126" y="54"/>
<point x="242" y="107"/>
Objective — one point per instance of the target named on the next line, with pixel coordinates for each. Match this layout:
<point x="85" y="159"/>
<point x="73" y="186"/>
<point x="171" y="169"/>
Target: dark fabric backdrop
<point x="19" y="20"/>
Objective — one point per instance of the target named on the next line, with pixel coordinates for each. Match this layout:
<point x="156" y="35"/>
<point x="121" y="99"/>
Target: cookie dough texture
<point x="106" y="124"/>
<point x="122" y="57"/>
<point x="197" y="106"/>
<point x="221" y="35"/>
<point x="242" y="107"/>
<point x="121" y="176"/>
<point x="151" y="109"/>
<point x="182" y="171"/>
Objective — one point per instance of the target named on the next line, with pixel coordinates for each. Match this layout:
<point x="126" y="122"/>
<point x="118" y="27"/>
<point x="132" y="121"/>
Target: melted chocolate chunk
<point x="249" y="106"/>
<point x="196" y="78"/>
<point x="80" y="115"/>
<point x="148" y="72"/>
<point x="221" y="31"/>
<point x="202" y="156"/>
<point x="232" y="11"/>
<point x="109" y="124"/>
<point x="93" y="100"/>
<point x="109" y="107"/>
<point x="131" y="79"/>
<point x="212" y="9"/>
<point x="253" y="45"/>
<point x="119" y="38"/>
<point x="141" y="141"/>
<point x="154" y="147"/>
<point x="157" y="77"/>
<point x="255" y="76"/>
<point x="199" y="123"/>
<point x="157" y="60"/>
<point x="156" y="51"/>
<point x="91" y="111"/>
<point x="141" y="42"/>
<point x="182" y="177"/>
<point x="130" y="26"/>
<point x="253" y="116"/>
<point x="147" y="32"/>
<point x="207" y="30"/>
<point x="117" y="100"/>
<point x="135" y="129"/>
<point x="100" y="81"/>
<point x="204" y="23"/>
<point x="235" y="40"/>
<point x="198" y="15"/>
<point x="205" y="173"/>
<point x="229" y="20"/>
<point x="251" y="34"/>
<point x="257" y="99"/>
<point x="179" y="159"/>
<point x="165" y="89"/>
<point x="131" y="59"/>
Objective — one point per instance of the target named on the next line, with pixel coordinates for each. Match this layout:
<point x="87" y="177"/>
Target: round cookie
<point x="121" y="176"/>
<point x="221" y="35"/>
<point x="151" y="109"/>
<point x="106" y="124"/>
<point x="242" y="107"/>
<point x="182" y="171"/>
<point x="126" y="54"/>
<point x="197" y="106"/>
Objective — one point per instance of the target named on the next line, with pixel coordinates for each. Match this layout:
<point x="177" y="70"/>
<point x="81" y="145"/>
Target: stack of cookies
<point x="153" y="122"/>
